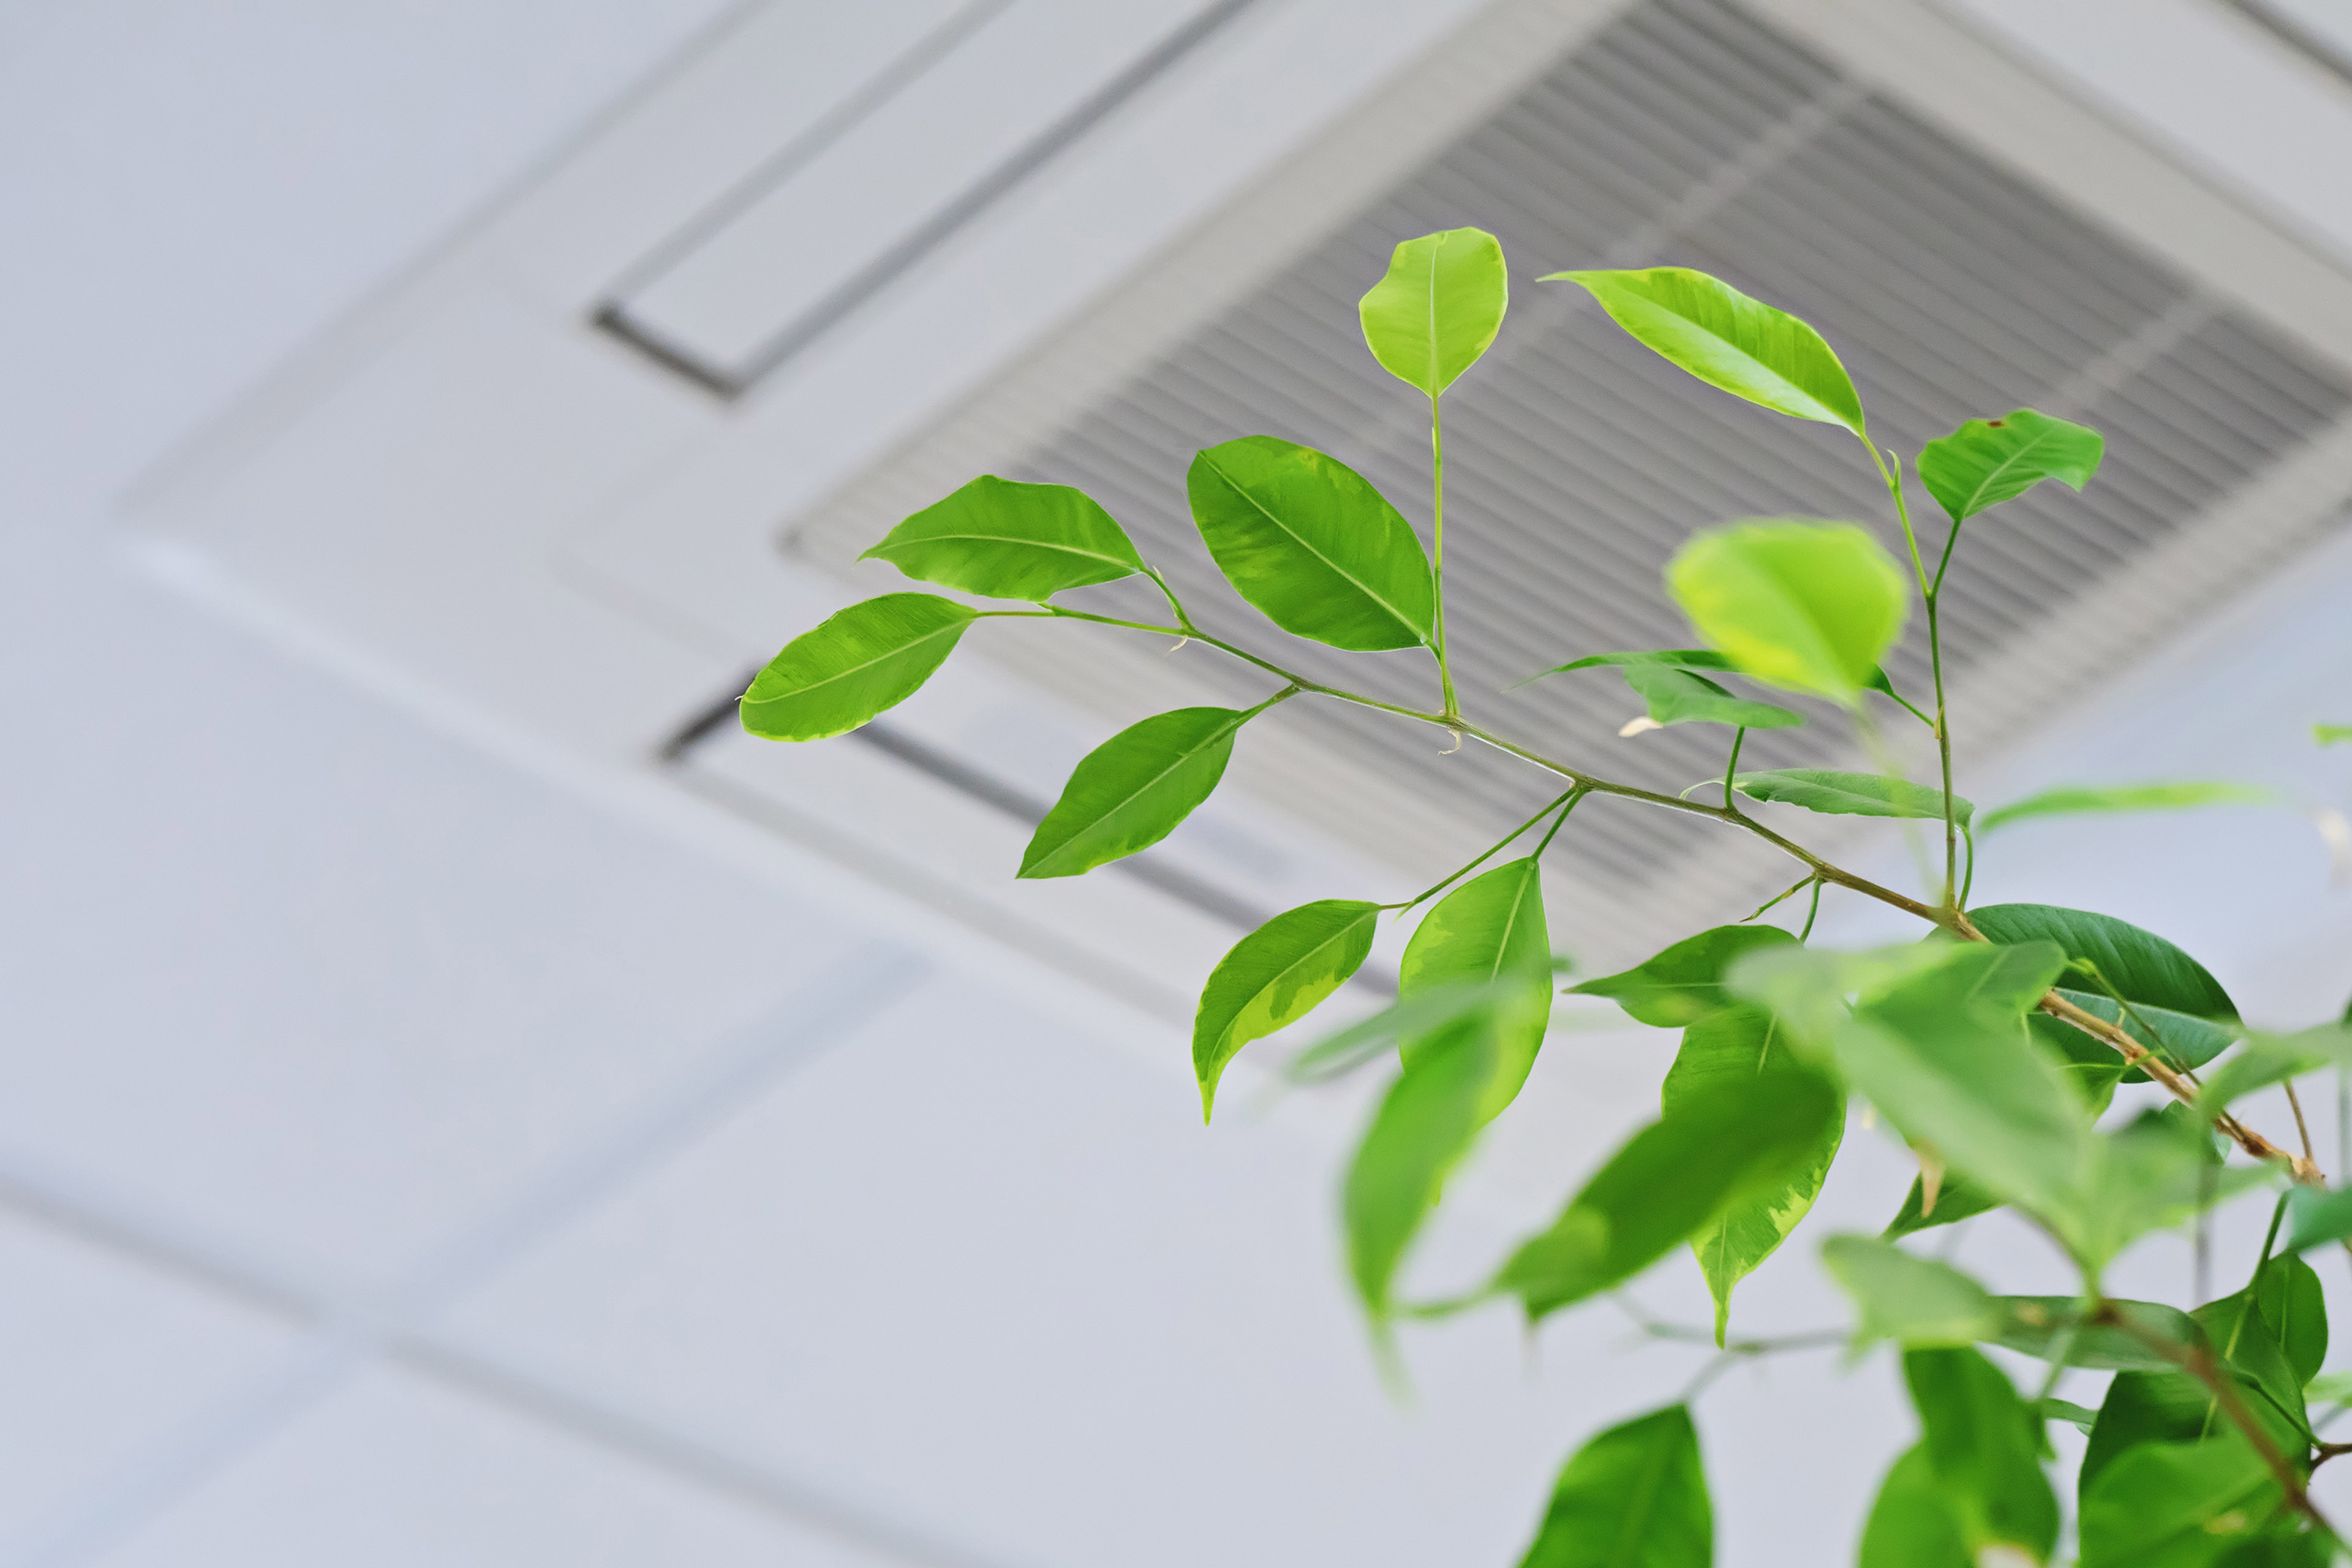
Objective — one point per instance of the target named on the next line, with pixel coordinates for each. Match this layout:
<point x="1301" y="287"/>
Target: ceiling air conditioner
<point x="566" y="484"/>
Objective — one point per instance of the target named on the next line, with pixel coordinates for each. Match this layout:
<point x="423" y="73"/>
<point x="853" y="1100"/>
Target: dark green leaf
<point x="1988" y="461"/>
<point x="1438" y="307"/>
<point x="1730" y="1052"/>
<point x="1011" y="541"/>
<point x="1984" y="1445"/>
<point x="2079" y="801"/>
<point x="2185" y="1041"/>
<point x="1914" y="1301"/>
<point x="2296" y="1307"/>
<point x="2278" y="1548"/>
<point x="1304" y="538"/>
<point x="1740" y="345"/>
<point x="1274" y="976"/>
<point x="1685" y="983"/>
<point x="1849" y="795"/>
<point x="1423" y="1127"/>
<point x="2141" y="966"/>
<point x="1957" y="1199"/>
<point x="1130" y="791"/>
<point x="1911" y="1525"/>
<point x="1634" y="1497"/>
<point x="1666" y="1183"/>
<point x="1796" y="601"/>
<point x="872" y="655"/>
<point x="2047" y="1327"/>
<point x="1678" y="697"/>
<point x="1491" y="928"/>
<point x="2174" y="1504"/>
<point x="1666" y="658"/>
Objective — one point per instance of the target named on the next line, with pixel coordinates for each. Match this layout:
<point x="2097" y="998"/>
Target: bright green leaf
<point x="1678" y="697"/>
<point x="1685" y="983"/>
<point x="2051" y="1327"/>
<point x="1273" y="977"/>
<point x="1839" y="793"/>
<point x="1634" y="1497"/>
<point x="2085" y="800"/>
<point x="1984" y="1445"/>
<point x="2141" y="966"/>
<point x="2330" y="1388"/>
<point x="1911" y="1524"/>
<point x="1740" y="345"/>
<point x="1423" y="1127"/>
<point x="1438" y="307"/>
<point x="2330" y="735"/>
<point x="1130" y="791"/>
<point x="1307" y="540"/>
<point x="1798" y="603"/>
<point x="1988" y="461"/>
<point x="872" y="655"/>
<point x="1489" y="929"/>
<point x="1730" y="1051"/>
<point x="1666" y="1183"/>
<point x="1914" y="1301"/>
<point x="1011" y="541"/>
<point x="2174" y="1504"/>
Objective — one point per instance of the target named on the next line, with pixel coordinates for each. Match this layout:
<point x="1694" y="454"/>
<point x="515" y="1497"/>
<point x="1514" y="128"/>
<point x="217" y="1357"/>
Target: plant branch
<point x="1566" y="796"/>
<point x="1928" y="593"/>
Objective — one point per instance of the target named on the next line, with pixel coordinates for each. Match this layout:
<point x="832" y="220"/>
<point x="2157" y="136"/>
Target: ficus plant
<point x="1994" y="1046"/>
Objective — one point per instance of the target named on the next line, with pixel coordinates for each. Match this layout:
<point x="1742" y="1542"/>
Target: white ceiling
<point x="402" y="1160"/>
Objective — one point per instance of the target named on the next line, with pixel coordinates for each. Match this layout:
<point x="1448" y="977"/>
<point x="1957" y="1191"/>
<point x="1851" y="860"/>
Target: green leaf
<point x="2185" y="1042"/>
<point x="856" y="663"/>
<point x="1423" y="1127"/>
<point x="1489" y="929"/>
<point x="2296" y="1307"/>
<point x="2174" y="1504"/>
<point x="1796" y="601"/>
<point x="2075" y="801"/>
<point x="1665" y="658"/>
<point x="1011" y="541"/>
<point x="1911" y="1525"/>
<point x="2278" y="1548"/>
<point x="2141" y="966"/>
<point x="1914" y="1301"/>
<point x="2080" y="1417"/>
<point x="2157" y="1171"/>
<point x="1274" y="977"/>
<point x="1678" y="697"/>
<point x="2050" y="1327"/>
<point x="1130" y="791"/>
<point x="1740" y="345"/>
<point x="1666" y="1183"/>
<point x="1988" y="461"/>
<point x="1837" y="793"/>
<point x="1809" y="988"/>
<point x="1685" y="983"/>
<point x="1956" y="1200"/>
<point x="2267" y="1059"/>
<point x="1385" y="1032"/>
<point x="1729" y="1052"/>
<point x="1304" y="538"/>
<point x="1984" y="1445"/>
<point x="2330" y="735"/>
<point x="1634" y="1497"/>
<point x="2315" y="1217"/>
<point x="2330" y="1388"/>
<point x="1438" y="307"/>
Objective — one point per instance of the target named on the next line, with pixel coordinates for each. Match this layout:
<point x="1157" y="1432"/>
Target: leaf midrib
<point x="956" y="626"/>
<point x="1235" y="723"/>
<point x="1006" y="539"/>
<point x="1976" y="501"/>
<point x="1342" y="572"/>
<point x="1277" y="978"/>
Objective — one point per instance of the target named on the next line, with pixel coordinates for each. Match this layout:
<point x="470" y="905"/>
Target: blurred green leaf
<point x="1130" y="791"/>
<point x="1440" y="305"/>
<point x="1740" y="345"/>
<point x="1988" y="461"/>
<point x="1011" y="541"/>
<point x="1304" y="538"/>
<point x="1984" y="1445"/>
<point x="1274" y="976"/>
<point x="2142" y="967"/>
<point x="2175" y="1504"/>
<point x="1808" y="988"/>
<point x="853" y="664"/>
<point x="2315" y="1217"/>
<point x="1425" y="1125"/>
<point x="1489" y="929"/>
<point x="1685" y="983"/>
<point x="2080" y="1417"/>
<point x="1663" y="658"/>
<point x="1914" y="1301"/>
<point x="1666" y="1183"/>
<point x="1957" y="1199"/>
<point x="1634" y="1497"/>
<point x="1796" y="601"/>
<point x="2330" y="1388"/>
<point x="2265" y="1059"/>
<point x="2329" y="734"/>
<point x="1678" y="697"/>
<point x="2044" y="1327"/>
<point x="1911" y="1524"/>
<point x="1729" y="1052"/>
<point x="2075" y="801"/>
<point x="1384" y="1033"/>
<point x="1848" y="794"/>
